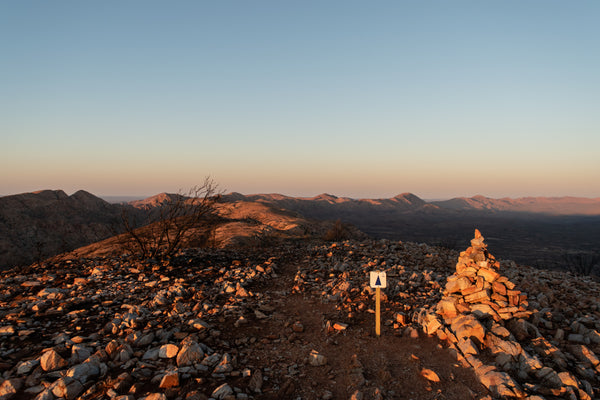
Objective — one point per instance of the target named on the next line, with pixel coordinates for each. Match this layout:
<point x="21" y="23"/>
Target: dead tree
<point x="171" y="223"/>
<point x="338" y="232"/>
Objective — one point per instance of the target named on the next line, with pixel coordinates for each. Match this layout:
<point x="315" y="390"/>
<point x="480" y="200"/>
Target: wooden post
<point x="377" y="311"/>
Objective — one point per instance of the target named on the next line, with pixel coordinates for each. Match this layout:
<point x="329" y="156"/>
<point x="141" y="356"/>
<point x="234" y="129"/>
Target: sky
<point x="352" y="98"/>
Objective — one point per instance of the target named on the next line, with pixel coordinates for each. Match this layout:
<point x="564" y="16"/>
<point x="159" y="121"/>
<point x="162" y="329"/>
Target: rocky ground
<point x="296" y="321"/>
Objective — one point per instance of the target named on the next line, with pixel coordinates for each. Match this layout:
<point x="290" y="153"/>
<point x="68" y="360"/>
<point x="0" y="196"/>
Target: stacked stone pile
<point x="487" y="321"/>
<point x="477" y="287"/>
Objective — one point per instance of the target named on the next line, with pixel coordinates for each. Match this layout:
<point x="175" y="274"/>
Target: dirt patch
<point x="357" y="360"/>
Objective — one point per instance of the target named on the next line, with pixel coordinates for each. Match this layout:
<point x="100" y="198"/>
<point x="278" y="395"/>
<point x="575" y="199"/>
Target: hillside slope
<point x="297" y="320"/>
<point x="37" y="225"/>
<point x="239" y="224"/>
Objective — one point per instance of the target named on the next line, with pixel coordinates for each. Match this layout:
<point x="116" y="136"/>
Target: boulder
<point x="169" y="380"/>
<point x="67" y="388"/>
<point x="189" y="353"/>
<point x="9" y="388"/>
<point x="51" y="361"/>
<point x="168" y="351"/>
<point x="222" y="391"/>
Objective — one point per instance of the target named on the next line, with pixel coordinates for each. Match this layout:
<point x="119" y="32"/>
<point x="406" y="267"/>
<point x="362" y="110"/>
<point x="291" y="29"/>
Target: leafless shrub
<point x="183" y="218"/>
<point x="338" y="232"/>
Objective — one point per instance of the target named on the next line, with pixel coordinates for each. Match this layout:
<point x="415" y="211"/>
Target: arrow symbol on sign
<point x="377" y="282"/>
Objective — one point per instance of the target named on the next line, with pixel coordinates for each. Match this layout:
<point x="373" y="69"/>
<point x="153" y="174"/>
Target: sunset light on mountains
<point x="300" y="200"/>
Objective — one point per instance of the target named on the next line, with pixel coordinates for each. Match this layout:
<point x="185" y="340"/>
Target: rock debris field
<point x="296" y="321"/>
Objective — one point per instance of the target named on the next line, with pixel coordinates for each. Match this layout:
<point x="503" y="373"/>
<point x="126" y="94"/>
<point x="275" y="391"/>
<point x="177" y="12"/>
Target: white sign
<point x="378" y="279"/>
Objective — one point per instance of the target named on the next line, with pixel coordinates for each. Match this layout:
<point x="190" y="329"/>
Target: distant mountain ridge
<point x="546" y="205"/>
<point x="47" y="222"/>
<point x="410" y="202"/>
<point x="536" y="231"/>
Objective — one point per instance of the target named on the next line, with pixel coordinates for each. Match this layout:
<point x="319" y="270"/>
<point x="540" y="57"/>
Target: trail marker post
<point x="378" y="280"/>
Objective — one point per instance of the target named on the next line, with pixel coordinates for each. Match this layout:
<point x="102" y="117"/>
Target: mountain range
<point x="404" y="202"/>
<point x="45" y="223"/>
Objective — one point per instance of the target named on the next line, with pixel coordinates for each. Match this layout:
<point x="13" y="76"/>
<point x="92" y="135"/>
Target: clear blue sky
<point x="354" y="98"/>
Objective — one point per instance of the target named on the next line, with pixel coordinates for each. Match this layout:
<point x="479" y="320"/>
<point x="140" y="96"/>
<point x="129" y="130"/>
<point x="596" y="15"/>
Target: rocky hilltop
<point x="533" y="231"/>
<point x="36" y="225"/>
<point x="296" y="320"/>
<point x="239" y="224"/>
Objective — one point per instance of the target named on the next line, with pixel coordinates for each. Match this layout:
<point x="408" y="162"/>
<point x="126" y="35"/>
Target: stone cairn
<point x="484" y="319"/>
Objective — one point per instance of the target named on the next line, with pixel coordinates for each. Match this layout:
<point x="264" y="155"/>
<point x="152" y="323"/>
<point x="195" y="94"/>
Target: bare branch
<point x="172" y="223"/>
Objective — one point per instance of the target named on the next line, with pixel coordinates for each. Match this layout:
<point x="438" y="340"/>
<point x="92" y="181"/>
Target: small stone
<point x="151" y="354"/>
<point x="316" y="359"/>
<point x="25" y="367"/>
<point x="199" y="324"/>
<point x="222" y="391"/>
<point x="8" y="330"/>
<point x="467" y="346"/>
<point x="256" y="381"/>
<point x="298" y="327"/>
<point x="260" y="315"/>
<point x="400" y="318"/>
<point x="9" y="388"/>
<point x="67" y="388"/>
<point x="568" y="379"/>
<point x="338" y="326"/>
<point x="155" y="396"/>
<point x="480" y="296"/>
<point x="412" y="332"/>
<point x="51" y="361"/>
<point x="224" y="365"/>
<point x="357" y="395"/>
<point x="467" y="326"/>
<point x="458" y="284"/>
<point x="190" y="353"/>
<point x="576" y="338"/>
<point x="171" y="379"/>
<point x="430" y="375"/>
<point x="168" y="351"/>
<point x="79" y="353"/>
<point x="499" y="383"/>
<point x="82" y="372"/>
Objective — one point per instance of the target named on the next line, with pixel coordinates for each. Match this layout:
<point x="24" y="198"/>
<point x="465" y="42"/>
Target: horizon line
<point x="133" y="197"/>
